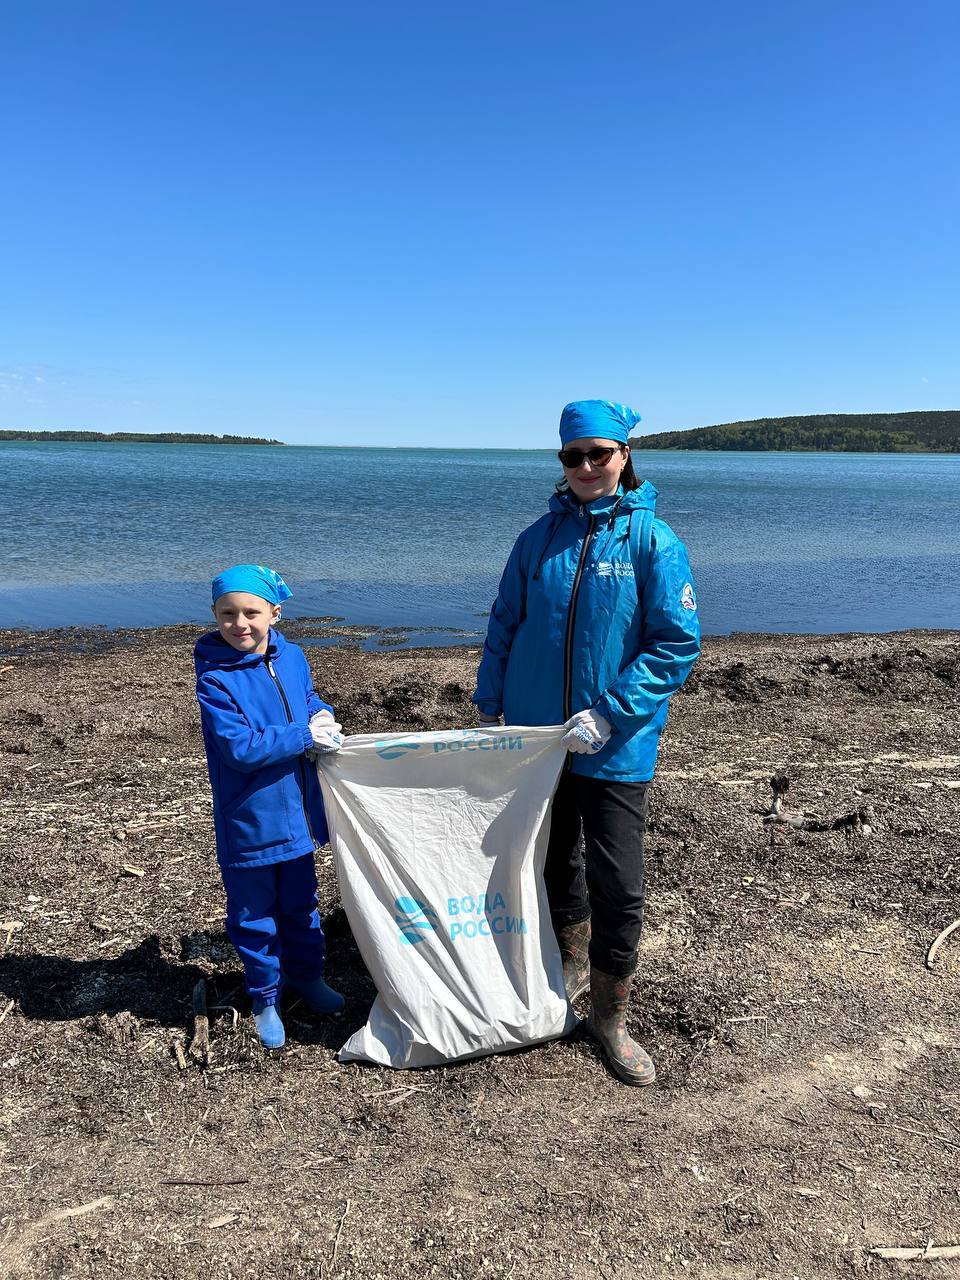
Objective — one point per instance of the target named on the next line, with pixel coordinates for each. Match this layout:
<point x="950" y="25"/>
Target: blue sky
<point x="434" y="224"/>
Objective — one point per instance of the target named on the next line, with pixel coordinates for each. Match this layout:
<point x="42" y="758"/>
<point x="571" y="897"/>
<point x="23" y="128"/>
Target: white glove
<point x="586" y="732"/>
<point x="327" y="734"/>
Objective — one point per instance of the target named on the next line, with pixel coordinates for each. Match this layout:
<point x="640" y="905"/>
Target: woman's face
<point x="598" y="479"/>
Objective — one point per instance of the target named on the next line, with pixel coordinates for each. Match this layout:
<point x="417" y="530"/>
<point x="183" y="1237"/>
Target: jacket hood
<point x="642" y="499"/>
<point x="212" y="653"/>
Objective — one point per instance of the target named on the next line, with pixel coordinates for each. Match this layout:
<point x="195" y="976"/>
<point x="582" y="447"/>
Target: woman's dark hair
<point x="628" y="477"/>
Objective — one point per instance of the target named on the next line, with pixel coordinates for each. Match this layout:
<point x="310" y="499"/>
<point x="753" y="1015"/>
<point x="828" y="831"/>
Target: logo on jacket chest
<point x="615" y="569"/>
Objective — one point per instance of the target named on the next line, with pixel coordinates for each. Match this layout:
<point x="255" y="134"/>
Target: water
<point x="130" y="535"/>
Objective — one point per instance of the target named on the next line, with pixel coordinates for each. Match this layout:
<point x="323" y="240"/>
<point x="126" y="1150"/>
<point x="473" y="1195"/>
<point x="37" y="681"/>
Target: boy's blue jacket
<point x="596" y="609"/>
<point x="254" y="711"/>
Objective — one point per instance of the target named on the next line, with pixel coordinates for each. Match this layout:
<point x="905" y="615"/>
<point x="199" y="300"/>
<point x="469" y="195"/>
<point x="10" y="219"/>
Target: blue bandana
<point x="255" y="580"/>
<point x="600" y="419"/>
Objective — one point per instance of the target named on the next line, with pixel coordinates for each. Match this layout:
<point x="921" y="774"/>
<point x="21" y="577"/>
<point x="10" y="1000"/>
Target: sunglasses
<point x="573" y="458"/>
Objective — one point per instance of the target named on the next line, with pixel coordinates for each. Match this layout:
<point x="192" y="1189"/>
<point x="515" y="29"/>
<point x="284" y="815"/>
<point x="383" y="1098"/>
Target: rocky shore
<point x="808" y="1108"/>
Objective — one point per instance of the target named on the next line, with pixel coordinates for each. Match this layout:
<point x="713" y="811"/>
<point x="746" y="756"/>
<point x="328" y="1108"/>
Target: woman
<point x="595" y="625"/>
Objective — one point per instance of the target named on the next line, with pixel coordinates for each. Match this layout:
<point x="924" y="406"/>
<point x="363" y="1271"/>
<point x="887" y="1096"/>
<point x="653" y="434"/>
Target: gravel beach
<point x="808" y="1104"/>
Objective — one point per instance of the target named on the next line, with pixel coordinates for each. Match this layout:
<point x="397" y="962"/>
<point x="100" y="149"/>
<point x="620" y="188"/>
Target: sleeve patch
<point x="687" y="598"/>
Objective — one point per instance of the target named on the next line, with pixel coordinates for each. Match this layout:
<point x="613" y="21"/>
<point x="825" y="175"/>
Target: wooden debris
<point x="234" y="1014"/>
<point x="78" y="1211"/>
<point x="179" y="1055"/>
<point x="921" y="1133"/>
<point x="224" y="1220"/>
<point x="778" y="814"/>
<point x="6" y="1009"/>
<point x="930" y="1252"/>
<point x="133" y="871"/>
<point x="336" y="1243"/>
<point x="938" y="941"/>
<point x="200" y="1044"/>
<point x="403" y="1088"/>
<point x="203" y="1182"/>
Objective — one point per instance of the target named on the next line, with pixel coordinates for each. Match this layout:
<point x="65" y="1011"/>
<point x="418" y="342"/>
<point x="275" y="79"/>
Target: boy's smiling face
<point x="245" y="620"/>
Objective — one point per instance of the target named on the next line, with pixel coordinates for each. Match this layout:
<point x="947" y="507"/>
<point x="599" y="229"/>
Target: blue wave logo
<point x="394" y="750"/>
<point x="415" y="919"/>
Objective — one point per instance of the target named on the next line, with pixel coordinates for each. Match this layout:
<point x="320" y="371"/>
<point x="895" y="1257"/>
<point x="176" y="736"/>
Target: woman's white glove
<point x="586" y="732"/>
<point x="327" y="734"/>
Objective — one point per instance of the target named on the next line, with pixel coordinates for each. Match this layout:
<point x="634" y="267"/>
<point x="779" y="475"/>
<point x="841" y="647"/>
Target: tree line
<point x="918" y="431"/>
<point x="135" y="437"/>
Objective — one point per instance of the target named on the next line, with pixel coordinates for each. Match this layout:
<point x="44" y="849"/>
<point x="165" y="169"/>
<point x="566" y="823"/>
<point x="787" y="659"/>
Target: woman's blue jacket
<point x="596" y="609"/>
<point x="254" y="711"/>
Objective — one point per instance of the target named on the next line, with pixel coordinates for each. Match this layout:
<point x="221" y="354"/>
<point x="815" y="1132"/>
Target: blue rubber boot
<point x="319" y="997"/>
<point x="268" y="1024"/>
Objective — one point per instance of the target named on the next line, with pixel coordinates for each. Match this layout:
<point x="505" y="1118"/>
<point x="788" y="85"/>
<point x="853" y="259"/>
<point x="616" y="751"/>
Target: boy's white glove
<point x="327" y="734"/>
<point x="586" y="732"/>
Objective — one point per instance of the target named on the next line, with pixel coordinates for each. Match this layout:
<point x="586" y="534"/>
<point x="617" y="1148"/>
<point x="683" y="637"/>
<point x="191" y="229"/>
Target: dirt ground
<point x="808" y="1105"/>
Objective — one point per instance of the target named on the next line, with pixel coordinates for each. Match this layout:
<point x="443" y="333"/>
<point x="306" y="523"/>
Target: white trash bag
<point x="439" y="842"/>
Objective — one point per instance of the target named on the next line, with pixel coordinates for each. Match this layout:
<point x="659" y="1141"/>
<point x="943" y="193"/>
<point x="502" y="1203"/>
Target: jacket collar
<point x="617" y="504"/>
<point x="212" y="652"/>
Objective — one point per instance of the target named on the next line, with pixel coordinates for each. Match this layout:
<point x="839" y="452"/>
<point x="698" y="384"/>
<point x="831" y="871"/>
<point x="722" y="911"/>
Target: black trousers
<point x="602" y="877"/>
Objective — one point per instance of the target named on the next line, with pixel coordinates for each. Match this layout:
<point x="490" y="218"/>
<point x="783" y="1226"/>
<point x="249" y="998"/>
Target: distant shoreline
<point x="917" y="431"/>
<point x="132" y="437"/>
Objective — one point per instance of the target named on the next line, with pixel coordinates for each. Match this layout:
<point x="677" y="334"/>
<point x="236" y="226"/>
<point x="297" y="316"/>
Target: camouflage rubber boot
<point x="574" y="939"/>
<point x="609" y="998"/>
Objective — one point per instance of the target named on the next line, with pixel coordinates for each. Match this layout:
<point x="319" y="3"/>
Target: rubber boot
<point x="269" y="1027"/>
<point x="609" y="997"/>
<point x="318" y="996"/>
<point x="574" y="939"/>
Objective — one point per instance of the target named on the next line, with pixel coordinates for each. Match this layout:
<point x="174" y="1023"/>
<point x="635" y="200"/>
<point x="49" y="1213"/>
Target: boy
<point x="261" y="719"/>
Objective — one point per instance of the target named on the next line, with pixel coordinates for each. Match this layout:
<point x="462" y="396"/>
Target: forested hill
<point x="134" y="437"/>
<point x="921" y="431"/>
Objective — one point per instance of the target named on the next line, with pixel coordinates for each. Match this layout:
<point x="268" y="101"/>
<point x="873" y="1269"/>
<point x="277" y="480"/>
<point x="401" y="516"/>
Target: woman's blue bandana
<point x="599" y="419"/>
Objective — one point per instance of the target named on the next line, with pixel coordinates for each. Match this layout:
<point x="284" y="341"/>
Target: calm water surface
<point x="126" y="535"/>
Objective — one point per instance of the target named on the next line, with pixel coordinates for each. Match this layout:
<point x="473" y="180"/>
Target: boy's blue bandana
<point x="255" y="579"/>
<point x="600" y="419"/>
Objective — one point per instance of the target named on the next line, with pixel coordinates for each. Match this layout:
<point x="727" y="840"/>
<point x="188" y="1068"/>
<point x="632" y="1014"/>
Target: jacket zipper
<point x="571" y="619"/>
<point x="303" y="774"/>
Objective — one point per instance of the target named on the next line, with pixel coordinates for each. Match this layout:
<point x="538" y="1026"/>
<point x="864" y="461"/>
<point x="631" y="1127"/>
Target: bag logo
<point x="481" y="915"/>
<point x="394" y="750"/>
<point x="466" y="740"/>
<point x="687" y="598"/>
<point x="415" y="919"/>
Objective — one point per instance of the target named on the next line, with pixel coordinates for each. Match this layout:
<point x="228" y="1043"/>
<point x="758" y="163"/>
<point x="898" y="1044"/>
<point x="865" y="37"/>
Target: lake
<point x="131" y="534"/>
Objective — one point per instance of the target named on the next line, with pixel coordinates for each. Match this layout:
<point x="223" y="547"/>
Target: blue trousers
<point x="273" y="921"/>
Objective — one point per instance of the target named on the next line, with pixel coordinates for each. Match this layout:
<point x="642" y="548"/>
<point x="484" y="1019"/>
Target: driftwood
<point x="859" y="822"/>
<point x="336" y="1244"/>
<point x="200" y="1044"/>
<point x="78" y="1211"/>
<point x="203" y="1182"/>
<point x="939" y="940"/>
<point x="931" y="1252"/>
<point x="778" y="814"/>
